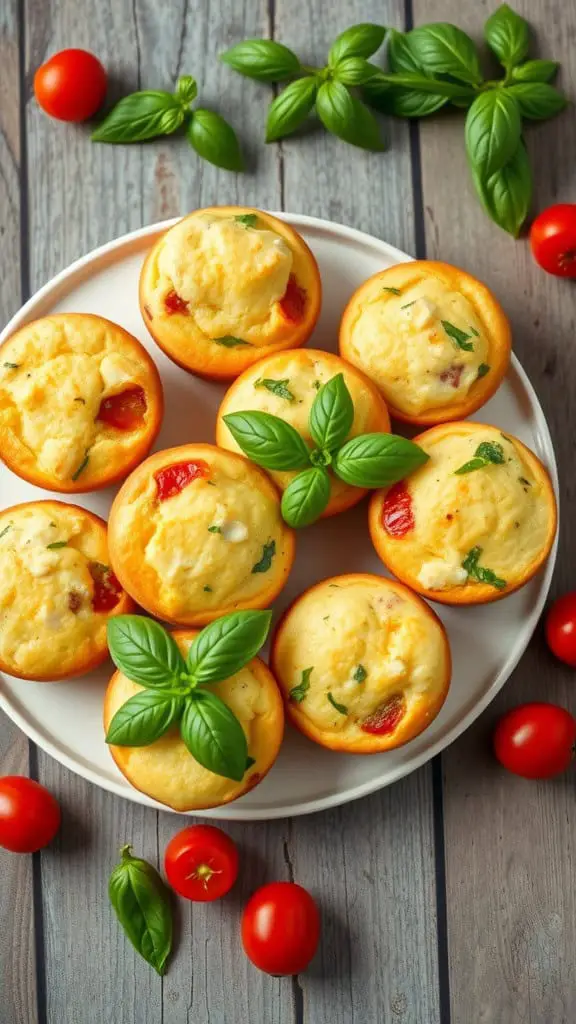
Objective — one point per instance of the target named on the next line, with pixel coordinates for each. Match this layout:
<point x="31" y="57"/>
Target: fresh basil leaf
<point x="214" y="736"/>
<point x="507" y="35"/>
<point x="470" y="466"/>
<point x="400" y="55"/>
<point x="491" y="451"/>
<point x="354" y="71"/>
<point x="306" y="497"/>
<point x="140" y="116"/>
<point x="406" y="103"/>
<point x="268" y="440"/>
<point x="249" y="220"/>
<point x="493" y="128"/>
<point x="297" y="693"/>
<point x="144" y="718"/>
<point x="340" y="708"/>
<point x="416" y="81"/>
<point x="265" y="562"/>
<point x="287" y="112"/>
<point x="444" y="49"/>
<point x="506" y="195"/>
<point x="483" y="369"/>
<point x="461" y="338"/>
<point x="214" y="140"/>
<point x="186" y="89"/>
<point x="360" y="674"/>
<point x="537" y="100"/>
<point x="144" y="651"/>
<point x="479" y="572"/>
<point x="347" y="117"/>
<point x="358" y="41"/>
<point x="403" y="102"/>
<point x="229" y="341"/>
<point x="141" y="902"/>
<point x="264" y="59"/>
<point x="535" y="71"/>
<point x="332" y="414"/>
<point x="227" y="645"/>
<point x="276" y="387"/>
<point x="378" y="460"/>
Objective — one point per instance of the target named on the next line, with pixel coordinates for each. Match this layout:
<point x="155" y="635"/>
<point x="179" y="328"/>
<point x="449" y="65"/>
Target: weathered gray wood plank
<point x="17" y="957"/>
<point x="510" y="845"/>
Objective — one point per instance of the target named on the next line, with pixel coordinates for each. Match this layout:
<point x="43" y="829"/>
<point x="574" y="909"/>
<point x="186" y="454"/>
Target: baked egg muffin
<point x="362" y="662"/>
<point x="196" y="532"/>
<point x="166" y="771"/>
<point x="80" y="402"/>
<point x="285" y="385"/>
<point x="432" y="337"/>
<point x="57" y="591"/>
<point x="226" y="286"/>
<point x="473" y="524"/>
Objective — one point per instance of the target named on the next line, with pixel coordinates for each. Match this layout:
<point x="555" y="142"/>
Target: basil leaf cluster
<point x="152" y="113"/>
<point x="367" y="461"/>
<point x="174" y="689"/>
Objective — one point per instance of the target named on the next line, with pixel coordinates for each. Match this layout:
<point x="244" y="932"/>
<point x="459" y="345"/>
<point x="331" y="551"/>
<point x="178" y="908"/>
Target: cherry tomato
<point x="281" y="928"/>
<point x="561" y="628"/>
<point x="125" y="411"/>
<point x="384" y="719"/>
<point x="535" y="740"/>
<point x="29" y="815"/>
<point x="173" y="479"/>
<point x="553" y="239"/>
<point x="397" y="511"/>
<point x="201" y="863"/>
<point x="293" y="302"/>
<point x="71" y="86"/>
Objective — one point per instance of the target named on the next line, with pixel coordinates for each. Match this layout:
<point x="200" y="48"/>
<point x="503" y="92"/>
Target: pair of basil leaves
<point x="367" y="461"/>
<point x="175" y="689"/>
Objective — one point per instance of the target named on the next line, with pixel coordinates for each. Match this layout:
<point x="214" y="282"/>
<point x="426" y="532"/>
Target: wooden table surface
<point x="449" y="896"/>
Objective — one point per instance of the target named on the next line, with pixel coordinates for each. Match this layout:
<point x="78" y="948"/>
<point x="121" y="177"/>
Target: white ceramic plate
<point x="65" y="719"/>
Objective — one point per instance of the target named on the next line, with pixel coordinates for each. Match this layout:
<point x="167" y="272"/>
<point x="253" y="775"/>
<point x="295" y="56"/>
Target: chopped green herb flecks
<point x="207" y="589"/>
<point x="524" y="481"/>
<point x="486" y="453"/>
<point x="211" y="483"/>
<point x="214" y="529"/>
<point x="5" y="530"/>
<point x="81" y="467"/>
<point x="360" y="674"/>
<point x="479" y="572"/>
<point x="248" y="219"/>
<point x="56" y="545"/>
<point x="483" y="369"/>
<point x="460" y="338"/>
<point x="229" y="341"/>
<point x="393" y="291"/>
<point x="268" y="552"/>
<point x="298" y="692"/>
<point x="317" y="385"/>
<point x="408" y="304"/>
<point x="340" y="708"/>
<point x="474" y="332"/>
<point x="12" y="366"/>
<point x="276" y="387"/>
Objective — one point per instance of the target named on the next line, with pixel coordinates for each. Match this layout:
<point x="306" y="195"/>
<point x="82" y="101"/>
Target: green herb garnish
<point x="340" y="708"/>
<point x="229" y="341"/>
<point x="408" y="304"/>
<point x="268" y="552"/>
<point x="56" y="545"/>
<point x="458" y="336"/>
<point x="360" y="674"/>
<point x="12" y="366"/>
<point x="5" y="530"/>
<point x="298" y="692"/>
<point x="214" y="529"/>
<point x="142" y="904"/>
<point x="81" y="467"/>
<point x="249" y="219"/>
<point x="393" y="291"/>
<point x="483" y="369"/>
<point x="276" y="387"/>
<point x="207" y="589"/>
<point x="473" y="331"/>
<point x="524" y="481"/>
<point x="488" y="452"/>
<point x="479" y="573"/>
<point x="317" y="385"/>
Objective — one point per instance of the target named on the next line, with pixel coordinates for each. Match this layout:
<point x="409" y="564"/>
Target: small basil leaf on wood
<point x="287" y="112"/>
<point x="507" y="35"/>
<point x="537" y="100"/>
<point x="306" y="497"/>
<point x="214" y="736"/>
<point x="144" y="718"/>
<point x="214" y="140"/>
<point x="408" y="102"/>
<point x="492" y="131"/>
<point x="444" y="49"/>
<point x="140" y="116"/>
<point x="347" y="117"/>
<point x="332" y="414"/>
<point x="378" y="460"/>
<point x="141" y="902"/>
<point x="186" y="89"/>
<point x="357" y="41"/>
<point x="268" y="440"/>
<point x="264" y="59"/>
<point x="507" y="194"/>
<point x="227" y="645"/>
<point x="398" y="100"/>
<point x="535" y="71"/>
<point x="144" y="651"/>
<point x="354" y="71"/>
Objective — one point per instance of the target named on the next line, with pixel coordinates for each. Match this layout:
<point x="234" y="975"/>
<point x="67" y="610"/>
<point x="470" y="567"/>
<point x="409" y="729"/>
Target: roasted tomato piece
<point x="452" y="376"/>
<point x="397" y="512"/>
<point x="173" y="479"/>
<point x="385" y="719"/>
<point x="107" y="589"/>
<point x="293" y="302"/>
<point x="175" y="304"/>
<point x="125" y="411"/>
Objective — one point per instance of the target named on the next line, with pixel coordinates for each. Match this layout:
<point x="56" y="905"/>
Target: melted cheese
<point x="65" y="366"/>
<point x="338" y="626"/>
<point x="400" y="342"/>
<point x="38" y="631"/>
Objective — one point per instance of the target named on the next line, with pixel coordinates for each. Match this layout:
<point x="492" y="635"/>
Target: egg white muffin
<point x="286" y="385"/>
<point x="363" y="663"/>
<point x="474" y="523"/>
<point x="196" y="532"/>
<point x="57" y="590"/>
<point x="80" y="402"/>
<point x="226" y="286"/>
<point x="432" y="337"/>
<point x="166" y="770"/>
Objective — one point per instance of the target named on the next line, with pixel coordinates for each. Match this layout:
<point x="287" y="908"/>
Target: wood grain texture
<point x="17" y="951"/>
<point x="510" y="845"/>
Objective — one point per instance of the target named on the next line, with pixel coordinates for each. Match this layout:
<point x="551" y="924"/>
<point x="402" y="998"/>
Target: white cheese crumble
<point x="439" y="575"/>
<point x="234" y="531"/>
<point x="422" y="312"/>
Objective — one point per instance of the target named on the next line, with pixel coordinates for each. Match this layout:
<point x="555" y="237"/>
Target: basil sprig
<point x="141" y="902"/>
<point x="174" y="690"/>
<point x="367" y="461"/>
<point x="152" y="113"/>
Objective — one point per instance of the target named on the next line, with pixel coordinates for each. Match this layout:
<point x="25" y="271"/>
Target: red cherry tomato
<point x="561" y="628"/>
<point x="397" y="511"/>
<point x="293" y="302"/>
<point x="173" y="479"/>
<point x="553" y="239"/>
<point x="281" y="928"/>
<point x="385" y="718"/>
<point x="71" y="86"/>
<point x="201" y="863"/>
<point x="125" y="411"/>
<point x="535" y="740"/>
<point x="107" y="589"/>
<point x="29" y="815"/>
<point x="174" y="303"/>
